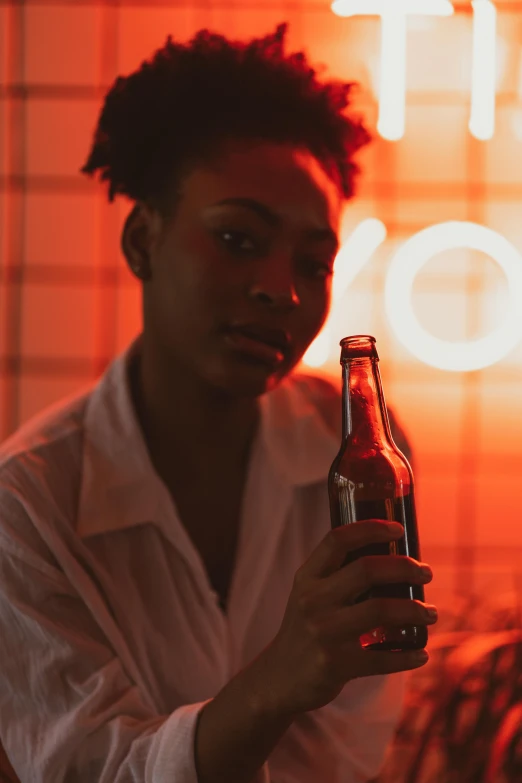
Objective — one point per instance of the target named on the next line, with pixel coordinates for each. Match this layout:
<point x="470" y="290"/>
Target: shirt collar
<point x="120" y="487"/>
<point x="301" y="427"/>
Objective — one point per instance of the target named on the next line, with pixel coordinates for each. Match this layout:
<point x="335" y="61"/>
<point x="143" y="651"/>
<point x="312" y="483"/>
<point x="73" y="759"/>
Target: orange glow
<point x="405" y="265"/>
<point x="68" y="304"/>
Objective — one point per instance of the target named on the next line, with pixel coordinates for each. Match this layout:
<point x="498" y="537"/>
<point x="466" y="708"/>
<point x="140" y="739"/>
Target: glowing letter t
<point x="393" y="13"/>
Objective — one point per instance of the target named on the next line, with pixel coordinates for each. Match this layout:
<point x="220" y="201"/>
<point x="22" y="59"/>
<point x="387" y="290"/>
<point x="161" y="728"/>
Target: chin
<point x="247" y="379"/>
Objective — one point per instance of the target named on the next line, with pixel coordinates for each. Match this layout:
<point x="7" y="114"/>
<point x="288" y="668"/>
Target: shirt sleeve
<point x="68" y="711"/>
<point x="346" y="741"/>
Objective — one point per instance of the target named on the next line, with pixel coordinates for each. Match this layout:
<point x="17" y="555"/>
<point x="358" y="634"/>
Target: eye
<point x="237" y="241"/>
<point x="317" y="269"/>
<point x="323" y="271"/>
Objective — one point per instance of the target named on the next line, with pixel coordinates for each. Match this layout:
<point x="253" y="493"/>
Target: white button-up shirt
<point x="111" y="636"/>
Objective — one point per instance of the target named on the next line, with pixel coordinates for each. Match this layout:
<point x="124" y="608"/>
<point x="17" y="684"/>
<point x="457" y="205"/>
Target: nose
<point x="275" y="300"/>
<point x="275" y="289"/>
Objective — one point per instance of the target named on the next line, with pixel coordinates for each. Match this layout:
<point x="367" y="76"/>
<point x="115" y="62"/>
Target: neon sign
<point x="351" y="258"/>
<point x="405" y="265"/>
<point x="420" y="248"/>
<point x="392" y="83"/>
<point x="411" y="257"/>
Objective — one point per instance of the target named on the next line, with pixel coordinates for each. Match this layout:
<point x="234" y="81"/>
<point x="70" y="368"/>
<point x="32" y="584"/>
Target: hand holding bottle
<point x="317" y="649"/>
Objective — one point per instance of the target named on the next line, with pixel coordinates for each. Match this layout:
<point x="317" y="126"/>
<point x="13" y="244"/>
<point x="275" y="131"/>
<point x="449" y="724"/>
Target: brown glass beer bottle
<point x="371" y="479"/>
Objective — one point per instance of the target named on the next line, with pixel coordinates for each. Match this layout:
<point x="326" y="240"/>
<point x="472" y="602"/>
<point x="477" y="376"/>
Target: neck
<point x="181" y="414"/>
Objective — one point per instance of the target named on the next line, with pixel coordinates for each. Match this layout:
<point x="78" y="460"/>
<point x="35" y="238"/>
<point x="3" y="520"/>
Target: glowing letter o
<point x="411" y="257"/>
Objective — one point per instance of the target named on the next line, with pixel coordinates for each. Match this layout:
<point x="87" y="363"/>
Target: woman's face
<point x="240" y="276"/>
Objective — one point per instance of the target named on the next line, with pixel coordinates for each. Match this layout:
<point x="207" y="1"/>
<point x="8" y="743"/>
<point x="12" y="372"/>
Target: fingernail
<point x="421" y="656"/>
<point x="431" y="612"/>
<point x="426" y="573"/>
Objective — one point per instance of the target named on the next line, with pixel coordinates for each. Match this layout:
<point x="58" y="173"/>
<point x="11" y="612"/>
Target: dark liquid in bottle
<point x="399" y="510"/>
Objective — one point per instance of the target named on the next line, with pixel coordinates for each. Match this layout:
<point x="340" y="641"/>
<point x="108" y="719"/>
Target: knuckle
<point x="305" y="604"/>
<point x="324" y="660"/>
<point x="313" y="630"/>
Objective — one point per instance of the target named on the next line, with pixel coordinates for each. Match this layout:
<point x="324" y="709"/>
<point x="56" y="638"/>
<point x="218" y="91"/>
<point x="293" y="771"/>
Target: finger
<point x="331" y="552"/>
<point x="369" y="662"/>
<point x="353" y="621"/>
<point x="346" y="584"/>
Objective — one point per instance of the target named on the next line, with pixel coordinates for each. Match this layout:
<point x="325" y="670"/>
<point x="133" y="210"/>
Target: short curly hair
<point x="176" y="109"/>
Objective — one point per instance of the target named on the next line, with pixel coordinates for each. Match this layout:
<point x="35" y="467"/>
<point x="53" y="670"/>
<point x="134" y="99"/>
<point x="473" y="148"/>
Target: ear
<point x="138" y="238"/>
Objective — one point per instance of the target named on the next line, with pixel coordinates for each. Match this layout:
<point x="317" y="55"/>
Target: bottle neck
<point x="365" y="419"/>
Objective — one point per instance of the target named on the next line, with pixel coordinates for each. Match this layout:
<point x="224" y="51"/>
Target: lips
<point x="277" y="338"/>
<point x="262" y="343"/>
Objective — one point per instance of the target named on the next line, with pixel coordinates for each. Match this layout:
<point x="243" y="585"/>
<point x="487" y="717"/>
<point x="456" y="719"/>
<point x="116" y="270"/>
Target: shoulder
<point x="45" y="433"/>
<point x="302" y="426"/>
<point x="40" y="461"/>
<point x="320" y="393"/>
<point x="303" y="397"/>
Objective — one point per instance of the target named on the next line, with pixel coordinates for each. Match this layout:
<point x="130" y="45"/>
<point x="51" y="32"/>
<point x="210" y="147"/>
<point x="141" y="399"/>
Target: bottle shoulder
<point x="382" y="464"/>
<point x="324" y="394"/>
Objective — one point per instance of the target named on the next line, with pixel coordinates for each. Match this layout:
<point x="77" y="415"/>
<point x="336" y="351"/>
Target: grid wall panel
<point x="61" y="45"/>
<point x="68" y="304"/>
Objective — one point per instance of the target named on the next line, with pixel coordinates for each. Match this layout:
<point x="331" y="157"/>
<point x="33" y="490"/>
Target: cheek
<point x="314" y="310"/>
<point x="195" y="287"/>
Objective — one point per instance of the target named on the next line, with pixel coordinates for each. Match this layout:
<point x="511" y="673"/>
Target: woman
<point x="171" y="598"/>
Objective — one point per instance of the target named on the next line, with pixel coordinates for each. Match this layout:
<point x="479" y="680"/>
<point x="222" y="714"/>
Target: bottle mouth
<point x="358" y="346"/>
<point x="356" y="338"/>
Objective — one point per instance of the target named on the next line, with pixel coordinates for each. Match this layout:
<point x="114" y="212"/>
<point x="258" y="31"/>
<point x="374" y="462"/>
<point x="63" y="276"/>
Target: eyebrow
<point x="273" y="220"/>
